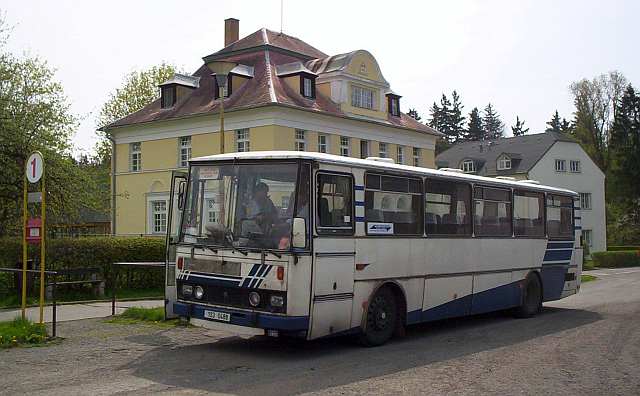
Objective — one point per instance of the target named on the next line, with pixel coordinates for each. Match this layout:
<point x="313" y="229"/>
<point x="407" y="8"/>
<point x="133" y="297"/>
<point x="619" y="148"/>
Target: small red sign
<point x="34" y="230"/>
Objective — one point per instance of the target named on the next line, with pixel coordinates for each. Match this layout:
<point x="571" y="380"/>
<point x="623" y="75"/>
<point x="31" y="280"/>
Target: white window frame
<point x="345" y="146"/>
<point x="184" y="152"/>
<point x="159" y="215"/>
<point x="243" y="142"/>
<point x="585" y="201"/>
<point x="300" y="140"/>
<point x="588" y="240"/>
<point x="367" y="145"/>
<point x="416" y="156"/>
<point x="468" y="166"/>
<point x="323" y="143"/>
<point x="307" y="87"/>
<point x="575" y="166"/>
<point x="135" y="157"/>
<point x="383" y="150"/>
<point x="400" y="154"/>
<point x="504" y="163"/>
<point x="362" y="97"/>
<point x="561" y="165"/>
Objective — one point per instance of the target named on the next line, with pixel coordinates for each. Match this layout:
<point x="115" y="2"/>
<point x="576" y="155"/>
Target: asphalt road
<point x="585" y="344"/>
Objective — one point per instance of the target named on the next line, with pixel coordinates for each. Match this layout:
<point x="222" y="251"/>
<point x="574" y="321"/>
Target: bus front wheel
<point x="382" y="318"/>
<point x="531" y="297"/>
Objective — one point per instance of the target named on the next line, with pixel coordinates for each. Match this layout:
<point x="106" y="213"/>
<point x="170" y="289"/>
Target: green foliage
<point x="622" y="248"/>
<point x="447" y="118"/>
<point x="587" y="265"/>
<point x="616" y="259"/>
<point x="492" y="125"/>
<point x="475" y="131"/>
<point x="146" y="314"/>
<point x="587" y="278"/>
<point x="518" y="129"/>
<point x="557" y="125"/>
<point x="96" y="252"/>
<point x="413" y="113"/>
<point x="21" y="331"/>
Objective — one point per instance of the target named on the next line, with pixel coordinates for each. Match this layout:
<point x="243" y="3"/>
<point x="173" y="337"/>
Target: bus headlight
<point x="187" y="290"/>
<point x="198" y="292"/>
<point x="254" y="299"/>
<point x="277" y="301"/>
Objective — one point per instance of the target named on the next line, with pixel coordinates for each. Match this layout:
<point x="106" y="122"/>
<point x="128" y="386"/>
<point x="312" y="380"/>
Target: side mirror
<point x="299" y="233"/>
<point x="181" y="189"/>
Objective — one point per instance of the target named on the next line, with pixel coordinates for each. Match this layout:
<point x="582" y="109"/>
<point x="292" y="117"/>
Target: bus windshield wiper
<point x="244" y="252"/>
<point x="278" y="255"/>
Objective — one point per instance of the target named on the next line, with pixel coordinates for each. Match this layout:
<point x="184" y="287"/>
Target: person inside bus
<point x="261" y="209"/>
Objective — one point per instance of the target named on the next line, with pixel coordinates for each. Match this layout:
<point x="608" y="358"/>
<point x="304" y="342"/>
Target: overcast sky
<point x="519" y="55"/>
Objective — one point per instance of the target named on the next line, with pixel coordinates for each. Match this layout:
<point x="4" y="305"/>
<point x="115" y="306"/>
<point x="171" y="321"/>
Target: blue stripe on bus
<point x="359" y="219"/>
<point x="577" y="218"/>
<point x="577" y="228"/>
<point x="358" y="188"/>
<point x="557" y="255"/>
<point x="359" y="203"/>
<point x="553" y="278"/>
<point x="213" y="282"/>
<point x="254" y="269"/>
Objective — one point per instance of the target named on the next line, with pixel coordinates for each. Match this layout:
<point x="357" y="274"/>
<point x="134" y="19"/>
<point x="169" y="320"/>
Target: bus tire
<point x="531" y="297"/>
<point x="382" y="318"/>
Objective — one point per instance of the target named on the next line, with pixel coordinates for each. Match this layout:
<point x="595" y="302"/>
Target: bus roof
<point x="372" y="164"/>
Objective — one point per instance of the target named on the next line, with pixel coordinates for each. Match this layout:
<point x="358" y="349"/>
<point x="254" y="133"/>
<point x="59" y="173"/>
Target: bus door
<point x="176" y="205"/>
<point x="334" y="254"/>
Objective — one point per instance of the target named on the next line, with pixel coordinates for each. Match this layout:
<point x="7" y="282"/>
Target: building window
<point x="561" y="165"/>
<point x="400" y="154"/>
<point x="226" y="91"/>
<point x="587" y="237"/>
<point x="394" y="105"/>
<point x="364" y="149"/>
<point x="323" y="146"/>
<point x="574" y="166"/>
<point x="159" y="216"/>
<point x="393" y="205"/>
<point x="416" y="156"/>
<point x="300" y="143"/>
<point x="504" y="163"/>
<point x="382" y="150"/>
<point x="135" y="157"/>
<point x="492" y="212"/>
<point x="361" y="97"/>
<point x="345" y="146"/>
<point x="211" y="210"/>
<point x="168" y="96"/>
<point x="185" y="151"/>
<point x="585" y="201"/>
<point x="307" y="88"/>
<point x="468" y="166"/>
<point x="242" y="140"/>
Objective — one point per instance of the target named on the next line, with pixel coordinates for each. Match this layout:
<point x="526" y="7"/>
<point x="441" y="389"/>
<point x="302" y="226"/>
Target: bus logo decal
<point x="380" y="228"/>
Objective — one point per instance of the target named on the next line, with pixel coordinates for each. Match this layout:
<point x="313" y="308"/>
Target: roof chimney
<point x="231" y="31"/>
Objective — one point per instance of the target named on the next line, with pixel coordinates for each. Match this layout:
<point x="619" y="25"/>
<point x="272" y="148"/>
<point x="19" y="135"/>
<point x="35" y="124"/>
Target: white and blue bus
<point x="315" y="245"/>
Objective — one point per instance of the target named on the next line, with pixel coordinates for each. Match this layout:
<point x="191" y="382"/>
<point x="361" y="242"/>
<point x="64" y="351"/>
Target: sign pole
<point x="24" y="248"/>
<point x="43" y="210"/>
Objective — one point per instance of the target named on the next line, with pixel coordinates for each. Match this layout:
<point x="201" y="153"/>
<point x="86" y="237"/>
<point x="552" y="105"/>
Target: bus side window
<point x="559" y="216"/>
<point x="334" y="204"/>
<point x="447" y="208"/>
<point x="393" y="205"/>
<point x="528" y="213"/>
<point x="492" y="213"/>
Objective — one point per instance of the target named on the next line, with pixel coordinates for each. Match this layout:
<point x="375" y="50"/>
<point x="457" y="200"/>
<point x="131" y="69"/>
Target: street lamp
<point x="221" y="79"/>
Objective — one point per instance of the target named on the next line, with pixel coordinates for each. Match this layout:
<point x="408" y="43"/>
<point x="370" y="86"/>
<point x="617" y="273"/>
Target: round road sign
<point x="35" y="167"/>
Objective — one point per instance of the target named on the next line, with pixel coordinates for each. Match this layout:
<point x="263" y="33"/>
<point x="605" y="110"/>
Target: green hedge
<point x="94" y="252"/>
<point x="616" y="259"/>
<point x="622" y="248"/>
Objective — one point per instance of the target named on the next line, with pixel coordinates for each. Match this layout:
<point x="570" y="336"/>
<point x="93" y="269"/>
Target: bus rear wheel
<point x="531" y="298"/>
<point x="382" y="318"/>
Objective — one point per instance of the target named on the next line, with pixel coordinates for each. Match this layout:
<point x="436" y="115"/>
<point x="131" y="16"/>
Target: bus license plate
<point x="223" y="316"/>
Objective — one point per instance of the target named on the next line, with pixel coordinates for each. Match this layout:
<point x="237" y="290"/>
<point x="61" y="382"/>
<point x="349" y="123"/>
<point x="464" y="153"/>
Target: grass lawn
<point x="587" y="278"/>
<point x="21" y="332"/>
<point x="143" y="315"/>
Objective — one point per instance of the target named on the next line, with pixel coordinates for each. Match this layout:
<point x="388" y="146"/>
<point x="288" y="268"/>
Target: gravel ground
<point x="585" y="344"/>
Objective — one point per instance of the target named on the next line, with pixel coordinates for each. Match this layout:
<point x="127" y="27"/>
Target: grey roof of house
<point x="524" y="151"/>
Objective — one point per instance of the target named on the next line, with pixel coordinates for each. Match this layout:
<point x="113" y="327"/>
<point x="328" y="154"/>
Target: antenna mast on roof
<point x="281" y="13"/>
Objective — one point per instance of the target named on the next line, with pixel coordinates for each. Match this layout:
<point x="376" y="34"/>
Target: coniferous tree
<point x="566" y="126"/>
<point x="413" y="113"/>
<point x="493" y="126"/>
<point x="441" y="118"/>
<point x="518" y="129"/>
<point x="474" y="127"/>
<point x="555" y="124"/>
<point x="456" y="119"/>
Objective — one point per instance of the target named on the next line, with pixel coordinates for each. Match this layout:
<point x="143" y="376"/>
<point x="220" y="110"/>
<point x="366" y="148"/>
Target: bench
<point x="79" y="276"/>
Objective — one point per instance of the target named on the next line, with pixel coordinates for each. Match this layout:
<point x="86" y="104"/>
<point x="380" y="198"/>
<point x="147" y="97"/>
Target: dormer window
<point x="504" y="163"/>
<point x="361" y="97"/>
<point x="393" y="104"/>
<point x="228" y="90"/>
<point x="468" y="166"/>
<point x="307" y="87"/>
<point x="168" y="96"/>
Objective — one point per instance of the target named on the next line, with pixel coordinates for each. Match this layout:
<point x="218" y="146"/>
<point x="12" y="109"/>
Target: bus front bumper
<point x="239" y="318"/>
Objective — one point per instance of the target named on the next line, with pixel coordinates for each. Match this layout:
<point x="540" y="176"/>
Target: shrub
<point x="145" y="314"/>
<point x="622" y="248"/>
<point x="95" y="252"/>
<point x="616" y="259"/>
<point x="21" y="331"/>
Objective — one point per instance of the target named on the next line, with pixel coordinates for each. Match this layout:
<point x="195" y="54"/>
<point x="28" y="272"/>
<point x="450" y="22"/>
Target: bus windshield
<point x="242" y="205"/>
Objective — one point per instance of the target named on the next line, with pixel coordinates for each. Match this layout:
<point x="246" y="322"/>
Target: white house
<point x="554" y="159"/>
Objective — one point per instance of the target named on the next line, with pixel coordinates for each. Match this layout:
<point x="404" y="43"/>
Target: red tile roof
<point x="263" y="50"/>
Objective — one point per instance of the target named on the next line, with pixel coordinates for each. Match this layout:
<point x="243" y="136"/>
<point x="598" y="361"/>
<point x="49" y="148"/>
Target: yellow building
<point x="281" y="94"/>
